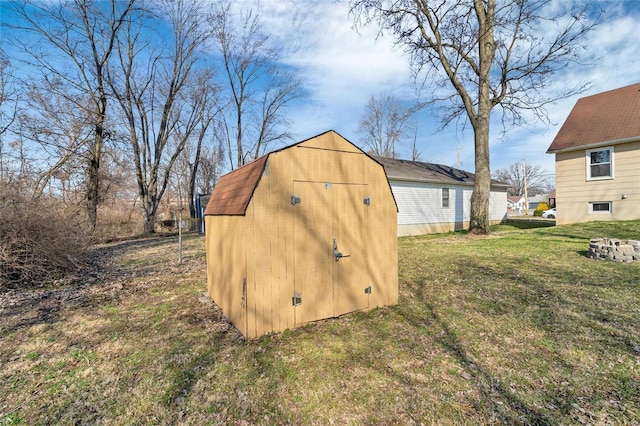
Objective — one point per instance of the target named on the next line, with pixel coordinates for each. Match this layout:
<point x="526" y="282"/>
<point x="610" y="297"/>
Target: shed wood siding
<point x="253" y="261"/>
<point x="574" y="192"/>
<point x="420" y="208"/>
<point x="226" y="263"/>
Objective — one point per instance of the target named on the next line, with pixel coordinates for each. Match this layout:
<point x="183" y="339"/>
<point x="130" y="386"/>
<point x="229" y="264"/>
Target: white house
<point x="515" y="202"/>
<point x="434" y="198"/>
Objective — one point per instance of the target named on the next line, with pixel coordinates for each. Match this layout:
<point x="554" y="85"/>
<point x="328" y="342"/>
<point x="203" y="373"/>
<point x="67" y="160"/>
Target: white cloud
<point x="341" y="68"/>
<point x="611" y="61"/>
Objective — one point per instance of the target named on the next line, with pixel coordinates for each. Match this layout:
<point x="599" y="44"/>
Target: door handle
<point x="337" y="254"/>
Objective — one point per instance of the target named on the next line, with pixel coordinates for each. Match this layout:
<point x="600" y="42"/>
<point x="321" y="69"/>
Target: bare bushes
<point x="40" y="239"/>
<point x="118" y="219"/>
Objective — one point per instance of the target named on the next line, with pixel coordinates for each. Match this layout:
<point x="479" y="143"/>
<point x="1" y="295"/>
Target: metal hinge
<point x="295" y="200"/>
<point x="296" y="299"/>
<point x="367" y="290"/>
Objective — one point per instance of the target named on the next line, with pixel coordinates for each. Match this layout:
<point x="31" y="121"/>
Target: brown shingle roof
<point x="233" y="191"/>
<point x="602" y="118"/>
<point x="427" y="172"/>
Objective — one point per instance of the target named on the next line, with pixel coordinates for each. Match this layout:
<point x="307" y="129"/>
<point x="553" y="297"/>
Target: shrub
<point x="541" y="207"/>
<point x="40" y="238"/>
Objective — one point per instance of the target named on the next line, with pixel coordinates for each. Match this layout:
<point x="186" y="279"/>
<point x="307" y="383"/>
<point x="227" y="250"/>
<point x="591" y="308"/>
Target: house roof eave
<point x="444" y="183"/>
<point x="595" y="145"/>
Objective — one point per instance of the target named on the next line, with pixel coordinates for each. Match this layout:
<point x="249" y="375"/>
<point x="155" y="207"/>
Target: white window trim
<point x="448" y="206"/>
<point x="591" y="211"/>
<point x="588" y="162"/>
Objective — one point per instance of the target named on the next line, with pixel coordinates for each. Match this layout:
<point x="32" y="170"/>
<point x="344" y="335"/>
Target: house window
<point x="600" y="207"/>
<point x="600" y="163"/>
<point x="445" y="198"/>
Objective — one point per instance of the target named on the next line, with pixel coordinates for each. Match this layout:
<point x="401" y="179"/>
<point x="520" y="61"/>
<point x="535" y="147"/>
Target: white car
<point x="549" y="214"/>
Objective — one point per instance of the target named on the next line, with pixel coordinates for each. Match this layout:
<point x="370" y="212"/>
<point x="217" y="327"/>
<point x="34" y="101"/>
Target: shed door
<point x="329" y="212"/>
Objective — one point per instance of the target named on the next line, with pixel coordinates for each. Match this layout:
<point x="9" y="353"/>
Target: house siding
<point x="420" y="208"/>
<point x="574" y="192"/>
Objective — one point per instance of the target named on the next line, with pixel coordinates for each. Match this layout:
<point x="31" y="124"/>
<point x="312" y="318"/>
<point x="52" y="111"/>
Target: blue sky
<point x="341" y="68"/>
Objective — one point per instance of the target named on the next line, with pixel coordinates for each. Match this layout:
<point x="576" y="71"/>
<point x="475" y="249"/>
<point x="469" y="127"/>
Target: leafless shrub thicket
<point x="117" y="222"/>
<point x="40" y="239"/>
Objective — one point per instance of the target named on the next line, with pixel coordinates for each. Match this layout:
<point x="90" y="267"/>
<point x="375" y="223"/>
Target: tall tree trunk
<point x="148" y="223"/>
<point x="149" y="210"/>
<point x="93" y="184"/>
<point x="240" y="156"/>
<point x="92" y="195"/>
<point x="192" y="190"/>
<point x="479" y="218"/>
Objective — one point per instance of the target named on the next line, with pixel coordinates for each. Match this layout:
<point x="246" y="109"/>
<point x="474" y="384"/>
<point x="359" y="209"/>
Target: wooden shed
<point x="304" y="233"/>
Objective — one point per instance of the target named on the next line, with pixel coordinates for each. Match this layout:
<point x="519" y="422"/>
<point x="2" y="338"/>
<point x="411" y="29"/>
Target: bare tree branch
<point x="159" y="113"/>
<point x="384" y="125"/>
<point x="259" y="92"/>
<point x="490" y="53"/>
<point x="537" y="179"/>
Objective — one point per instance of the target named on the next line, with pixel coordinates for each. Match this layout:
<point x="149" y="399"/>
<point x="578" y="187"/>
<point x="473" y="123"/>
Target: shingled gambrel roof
<point x="601" y="119"/>
<point x="428" y="172"/>
<point x="233" y="191"/>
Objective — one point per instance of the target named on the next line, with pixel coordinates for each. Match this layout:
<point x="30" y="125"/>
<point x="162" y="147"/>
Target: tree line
<point x="134" y="99"/>
<point x="100" y="94"/>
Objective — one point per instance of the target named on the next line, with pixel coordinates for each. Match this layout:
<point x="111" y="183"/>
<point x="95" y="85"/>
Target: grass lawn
<point x="515" y="328"/>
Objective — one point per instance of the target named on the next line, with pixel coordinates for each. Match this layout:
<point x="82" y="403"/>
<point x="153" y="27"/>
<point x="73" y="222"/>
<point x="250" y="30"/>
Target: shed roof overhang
<point x="594" y="145"/>
<point x="234" y="190"/>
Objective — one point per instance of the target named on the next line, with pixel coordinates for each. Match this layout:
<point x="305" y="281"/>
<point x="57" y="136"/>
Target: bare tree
<point x="258" y="91"/>
<point x="8" y="101"/>
<point x="210" y="170"/>
<point x="61" y="131"/>
<point x="8" y="104"/>
<point x="536" y="178"/>
<point x="416" y="154"/>
<point x="281" y="89"/>
<point x="205" y="94"/>
<point x="490" y="53"/>
<point x="153" y="89"/>
<point x="73" y="41"/>
<point x="384" y="125"/>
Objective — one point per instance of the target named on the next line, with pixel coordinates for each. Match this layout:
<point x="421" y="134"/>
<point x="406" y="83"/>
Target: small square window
<point x="600" y="164"/>
<point x="445" y="198"/>
<point x="600" y="207"/>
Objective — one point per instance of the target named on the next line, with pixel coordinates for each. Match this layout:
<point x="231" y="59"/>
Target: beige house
<point x="598" y="158"/>
<point x="304" y="233"/>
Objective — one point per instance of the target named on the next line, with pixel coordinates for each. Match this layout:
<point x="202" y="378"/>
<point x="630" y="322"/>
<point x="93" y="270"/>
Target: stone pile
<point x="614" y="249"/>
